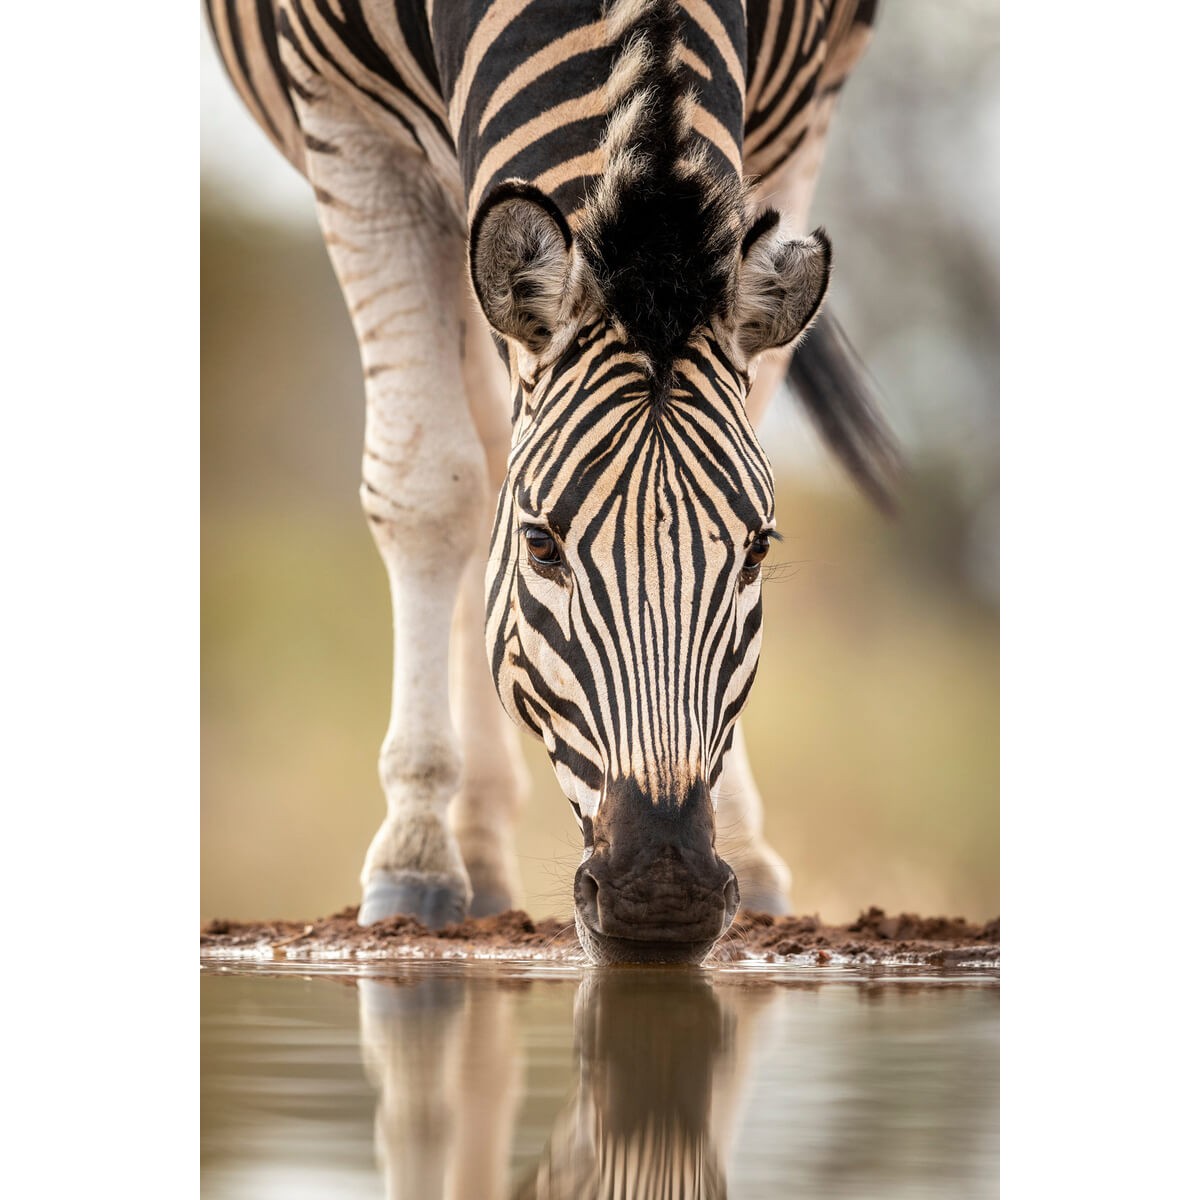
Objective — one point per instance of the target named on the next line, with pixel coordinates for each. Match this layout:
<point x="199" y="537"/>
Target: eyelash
<point x="760" y="546"/>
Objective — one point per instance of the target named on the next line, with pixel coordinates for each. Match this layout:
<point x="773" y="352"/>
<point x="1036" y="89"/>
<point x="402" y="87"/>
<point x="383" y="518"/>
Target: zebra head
<point x="624" y="603"/>
<point x="624" y="595"/>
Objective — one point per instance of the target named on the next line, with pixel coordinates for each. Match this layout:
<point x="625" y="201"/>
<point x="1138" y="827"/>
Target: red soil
<point x="875" y="936"/>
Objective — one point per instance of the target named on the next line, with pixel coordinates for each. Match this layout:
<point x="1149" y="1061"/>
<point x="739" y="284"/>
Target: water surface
<point x="474" y="1081"/>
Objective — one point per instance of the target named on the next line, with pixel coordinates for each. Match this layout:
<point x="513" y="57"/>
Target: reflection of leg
<point x="486" y="1073"/>
<point x="751" y="1017"/>
<point x="408" y="1032"/>
<point x="763" y="877"/>
<point x="495" y="782"/>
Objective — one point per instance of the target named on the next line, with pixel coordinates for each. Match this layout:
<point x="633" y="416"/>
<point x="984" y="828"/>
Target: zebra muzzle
<point x="654" y="888"/>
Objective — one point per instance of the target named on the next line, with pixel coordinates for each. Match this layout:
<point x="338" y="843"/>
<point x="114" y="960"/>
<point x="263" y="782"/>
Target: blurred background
<point x="874" y="724"/>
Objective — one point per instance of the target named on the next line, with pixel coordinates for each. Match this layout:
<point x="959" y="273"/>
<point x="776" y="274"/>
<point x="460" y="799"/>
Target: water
<point x="473" y="1081"/>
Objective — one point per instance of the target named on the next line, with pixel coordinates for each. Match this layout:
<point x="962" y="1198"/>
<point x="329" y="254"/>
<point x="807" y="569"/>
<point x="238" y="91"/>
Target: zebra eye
<point x="757" y="552"/>
<point x="542" y="546"/>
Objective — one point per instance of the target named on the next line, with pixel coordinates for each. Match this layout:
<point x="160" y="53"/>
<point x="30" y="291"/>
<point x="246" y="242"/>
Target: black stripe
<point x="268" y="34"/>
<point x="311" y="34"/>
<point x="288" y="34"/>
<point x="239" y="52"/>
<point x="358" y="40"/>
<point x="721" y="96"/>
<point x="317" y="146"/>
<point x="414" y="25"/>
<point x="786" y="149"/>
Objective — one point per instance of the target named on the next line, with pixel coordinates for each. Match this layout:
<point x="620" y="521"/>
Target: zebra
<point x="545" y="220"/>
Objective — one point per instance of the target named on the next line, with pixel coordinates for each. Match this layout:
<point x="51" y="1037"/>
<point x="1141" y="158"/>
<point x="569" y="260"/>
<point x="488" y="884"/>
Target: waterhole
<point x="473" y="1080"/>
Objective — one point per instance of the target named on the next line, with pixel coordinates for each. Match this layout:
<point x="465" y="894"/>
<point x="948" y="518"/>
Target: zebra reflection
<point x="662" y="1059"/>
<point x="640" y="1123"/>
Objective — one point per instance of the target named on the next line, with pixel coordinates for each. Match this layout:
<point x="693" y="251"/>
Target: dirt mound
<point x="873" y="937"/>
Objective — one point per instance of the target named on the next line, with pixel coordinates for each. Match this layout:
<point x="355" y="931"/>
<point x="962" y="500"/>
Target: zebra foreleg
<point x="763" y="877"/>
<point x="495" y="780"/>
<point x="423" y="489"/>
<point x="396" y="244"/>
<point x="495" y="784"/>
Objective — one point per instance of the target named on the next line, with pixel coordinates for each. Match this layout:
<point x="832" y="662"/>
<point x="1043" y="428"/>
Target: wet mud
<point x="875" y="937"/>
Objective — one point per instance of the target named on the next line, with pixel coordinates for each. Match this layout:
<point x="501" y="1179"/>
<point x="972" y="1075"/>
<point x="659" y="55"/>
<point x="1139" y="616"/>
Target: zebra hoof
<point x="434" y="900"/>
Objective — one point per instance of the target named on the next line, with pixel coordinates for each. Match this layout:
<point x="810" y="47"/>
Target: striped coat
<point x="598" y="169"/>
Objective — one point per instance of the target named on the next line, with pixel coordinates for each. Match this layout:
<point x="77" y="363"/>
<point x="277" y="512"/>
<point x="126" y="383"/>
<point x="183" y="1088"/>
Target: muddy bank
<point x="874" y="938"/>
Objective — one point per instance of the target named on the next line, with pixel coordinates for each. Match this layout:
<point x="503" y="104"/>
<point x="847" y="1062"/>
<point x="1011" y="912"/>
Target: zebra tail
<point x="832" y="382"/>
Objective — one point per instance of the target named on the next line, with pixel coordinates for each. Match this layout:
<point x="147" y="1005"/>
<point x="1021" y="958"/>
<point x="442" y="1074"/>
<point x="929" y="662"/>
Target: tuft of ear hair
<point x="520" y="259"/>
<point x="783" y="282"/>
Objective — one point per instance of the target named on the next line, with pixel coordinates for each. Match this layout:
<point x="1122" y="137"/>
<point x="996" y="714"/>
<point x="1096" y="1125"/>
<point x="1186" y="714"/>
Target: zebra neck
<point x="528" y="95"/>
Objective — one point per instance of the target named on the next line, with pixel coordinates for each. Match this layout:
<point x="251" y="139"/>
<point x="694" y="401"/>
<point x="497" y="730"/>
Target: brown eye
<point x="542" y="546"/>
<point x="757" y="552"/>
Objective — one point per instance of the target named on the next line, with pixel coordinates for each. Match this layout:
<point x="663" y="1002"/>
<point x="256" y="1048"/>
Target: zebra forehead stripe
<point x="654" y="500"/>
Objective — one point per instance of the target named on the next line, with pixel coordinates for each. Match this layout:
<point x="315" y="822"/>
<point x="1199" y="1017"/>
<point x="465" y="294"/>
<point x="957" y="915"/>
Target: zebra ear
<point x="782" y="284"/>
<point x="521" y="262"/>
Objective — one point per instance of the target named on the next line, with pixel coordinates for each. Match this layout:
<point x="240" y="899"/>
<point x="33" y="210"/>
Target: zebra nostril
<point x="587" y="899"/>
<point x="733" y="897"/>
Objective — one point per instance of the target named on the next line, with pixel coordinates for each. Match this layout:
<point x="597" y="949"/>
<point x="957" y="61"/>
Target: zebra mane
<point x="662" y="227"/>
